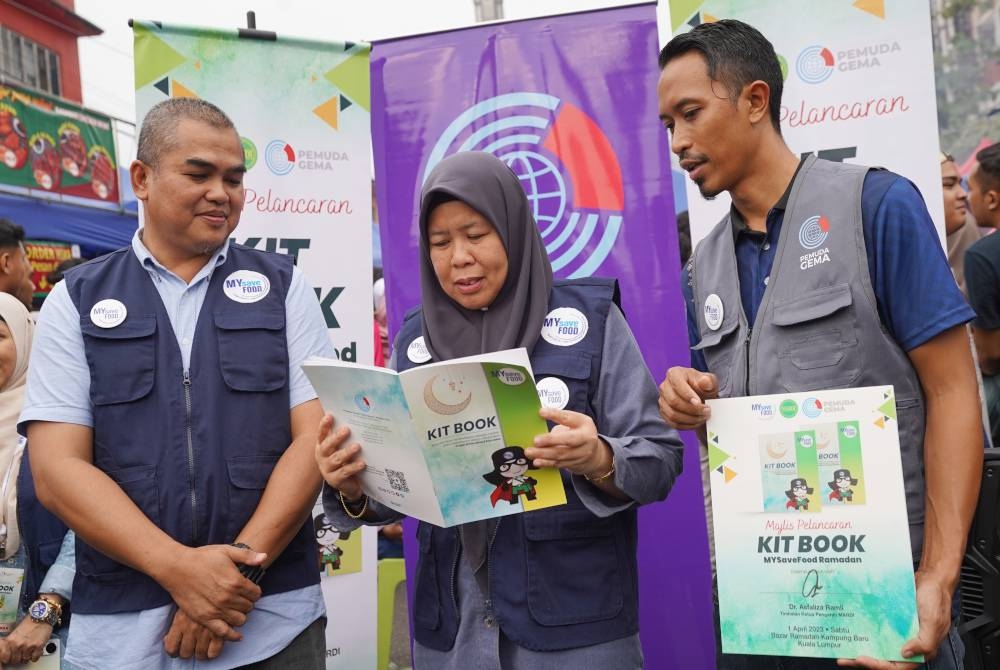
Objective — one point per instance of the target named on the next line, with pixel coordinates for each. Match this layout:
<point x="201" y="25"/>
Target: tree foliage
<point x="967" y="75"/>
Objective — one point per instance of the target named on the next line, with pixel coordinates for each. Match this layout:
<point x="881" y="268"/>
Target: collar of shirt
<point x="740" y="226"/>
<point x="157" y="271"/>
<point x="755" y="252"/>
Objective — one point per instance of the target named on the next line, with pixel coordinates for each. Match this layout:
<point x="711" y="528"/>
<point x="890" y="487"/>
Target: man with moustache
<point x="172" y="428"/>
<point x="822" y="275"/>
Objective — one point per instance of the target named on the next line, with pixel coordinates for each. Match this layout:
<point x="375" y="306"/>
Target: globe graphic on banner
<point x="542" y="183"/>
<point x="566" y="166"/>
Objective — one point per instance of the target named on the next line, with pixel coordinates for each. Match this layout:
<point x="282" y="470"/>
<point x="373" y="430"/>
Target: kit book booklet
<point x="812" y="542"/>
<point x="444" y="442"/>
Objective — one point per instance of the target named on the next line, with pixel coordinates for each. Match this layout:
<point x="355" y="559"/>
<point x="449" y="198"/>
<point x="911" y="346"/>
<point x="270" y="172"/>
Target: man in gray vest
<point x="823" y="275"/>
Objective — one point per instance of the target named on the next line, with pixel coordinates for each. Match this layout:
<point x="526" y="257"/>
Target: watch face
<point x="39" y="610"/>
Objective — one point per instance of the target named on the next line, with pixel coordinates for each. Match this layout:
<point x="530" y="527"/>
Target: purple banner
<point x="569" y="102"/>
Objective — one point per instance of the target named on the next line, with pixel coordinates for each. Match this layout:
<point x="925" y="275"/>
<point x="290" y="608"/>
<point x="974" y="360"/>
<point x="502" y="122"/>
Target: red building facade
<point x="38" y="45"/>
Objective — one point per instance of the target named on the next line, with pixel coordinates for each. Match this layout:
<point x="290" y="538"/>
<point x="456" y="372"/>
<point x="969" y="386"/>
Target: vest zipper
<point x="190" y="455"/>
<point x="746" y="354"/>
<point x="454" y="575"/>
<point x="489" y="570"/>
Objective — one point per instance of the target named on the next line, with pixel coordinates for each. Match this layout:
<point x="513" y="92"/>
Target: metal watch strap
<point x="53" y="612"/>
<point x="254" y="573"/>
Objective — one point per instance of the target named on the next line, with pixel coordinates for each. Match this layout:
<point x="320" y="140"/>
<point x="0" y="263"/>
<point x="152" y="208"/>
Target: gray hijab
<point x="514" y="319"/>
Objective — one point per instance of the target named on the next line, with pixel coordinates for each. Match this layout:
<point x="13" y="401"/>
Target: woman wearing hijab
<point x="16" y="330"/>
<point x="556" y="587"/>
<point x="31" y="536"/>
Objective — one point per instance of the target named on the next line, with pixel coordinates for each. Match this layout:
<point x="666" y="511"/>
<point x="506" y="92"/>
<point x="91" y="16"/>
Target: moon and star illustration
<point x="445" y="395"/>
<point x="824" y="437"/>
<point x="776" y="448"/>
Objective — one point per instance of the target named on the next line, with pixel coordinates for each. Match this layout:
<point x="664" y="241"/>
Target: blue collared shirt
<point x="59" y="578"/>
<point x="59" y="391"/>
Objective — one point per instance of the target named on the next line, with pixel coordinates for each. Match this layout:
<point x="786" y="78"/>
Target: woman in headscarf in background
<point x="556" y="587"/>
<point x="30" y="537"/>
<point x="16" y="329"/>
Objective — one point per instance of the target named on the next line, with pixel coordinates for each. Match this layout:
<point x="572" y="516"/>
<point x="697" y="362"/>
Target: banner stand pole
<point x="250" y="32"/>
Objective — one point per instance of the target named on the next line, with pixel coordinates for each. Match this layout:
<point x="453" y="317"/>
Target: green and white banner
<point x="302" y="111"/>
<point x="859" y="85"/>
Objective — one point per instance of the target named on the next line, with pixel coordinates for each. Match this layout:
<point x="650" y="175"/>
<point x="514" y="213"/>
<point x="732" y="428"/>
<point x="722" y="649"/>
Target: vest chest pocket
<point x="248" y="476"/>
<point x="122" y="360"/>
<point x="719" y="349"/>
<point x="819" y="343"/>
<point x="574" y="567"/>
<point x="574" y="370"/>
<point x="253" y="350"/>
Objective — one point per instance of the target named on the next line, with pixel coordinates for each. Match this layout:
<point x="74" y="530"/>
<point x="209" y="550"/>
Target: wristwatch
<point x="47" y="611"/>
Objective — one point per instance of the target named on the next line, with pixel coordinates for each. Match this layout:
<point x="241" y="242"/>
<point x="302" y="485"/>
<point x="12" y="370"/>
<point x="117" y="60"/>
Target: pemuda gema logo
<point x="815" y="64"/>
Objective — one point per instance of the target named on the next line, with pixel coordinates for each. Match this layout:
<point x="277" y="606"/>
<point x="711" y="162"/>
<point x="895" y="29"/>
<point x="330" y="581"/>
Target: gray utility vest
<point x="818" y="326"/>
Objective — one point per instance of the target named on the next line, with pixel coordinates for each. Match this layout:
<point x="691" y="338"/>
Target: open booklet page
<point x="444" y="442"/>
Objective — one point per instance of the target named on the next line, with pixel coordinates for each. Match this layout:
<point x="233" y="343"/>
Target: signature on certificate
<point x="810" y="586"/>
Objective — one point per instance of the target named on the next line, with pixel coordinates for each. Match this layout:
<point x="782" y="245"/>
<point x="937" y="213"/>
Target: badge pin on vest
<point x="246" y="286"/>
<point x="553" y="392"/>
<point x="417" y="351"/>
<point x="108" y="313"/>
<point x="714" y="311"/>
<point x="564" y="326"/>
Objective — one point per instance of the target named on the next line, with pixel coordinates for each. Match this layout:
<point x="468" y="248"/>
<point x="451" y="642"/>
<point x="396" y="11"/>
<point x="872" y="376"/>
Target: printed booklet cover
<point x="812" y="543"/>
<point x="444" y="442"/>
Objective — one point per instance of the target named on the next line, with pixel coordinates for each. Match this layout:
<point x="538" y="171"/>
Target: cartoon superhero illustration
<point x="841" y="485"/>
<point x="509" y="468"/>
<point x="797" y="492"/>
<point x="326" y="538"/>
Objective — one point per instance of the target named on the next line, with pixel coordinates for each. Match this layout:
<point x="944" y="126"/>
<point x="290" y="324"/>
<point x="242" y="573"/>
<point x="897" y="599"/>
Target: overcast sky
<point x="106" y="60"/>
